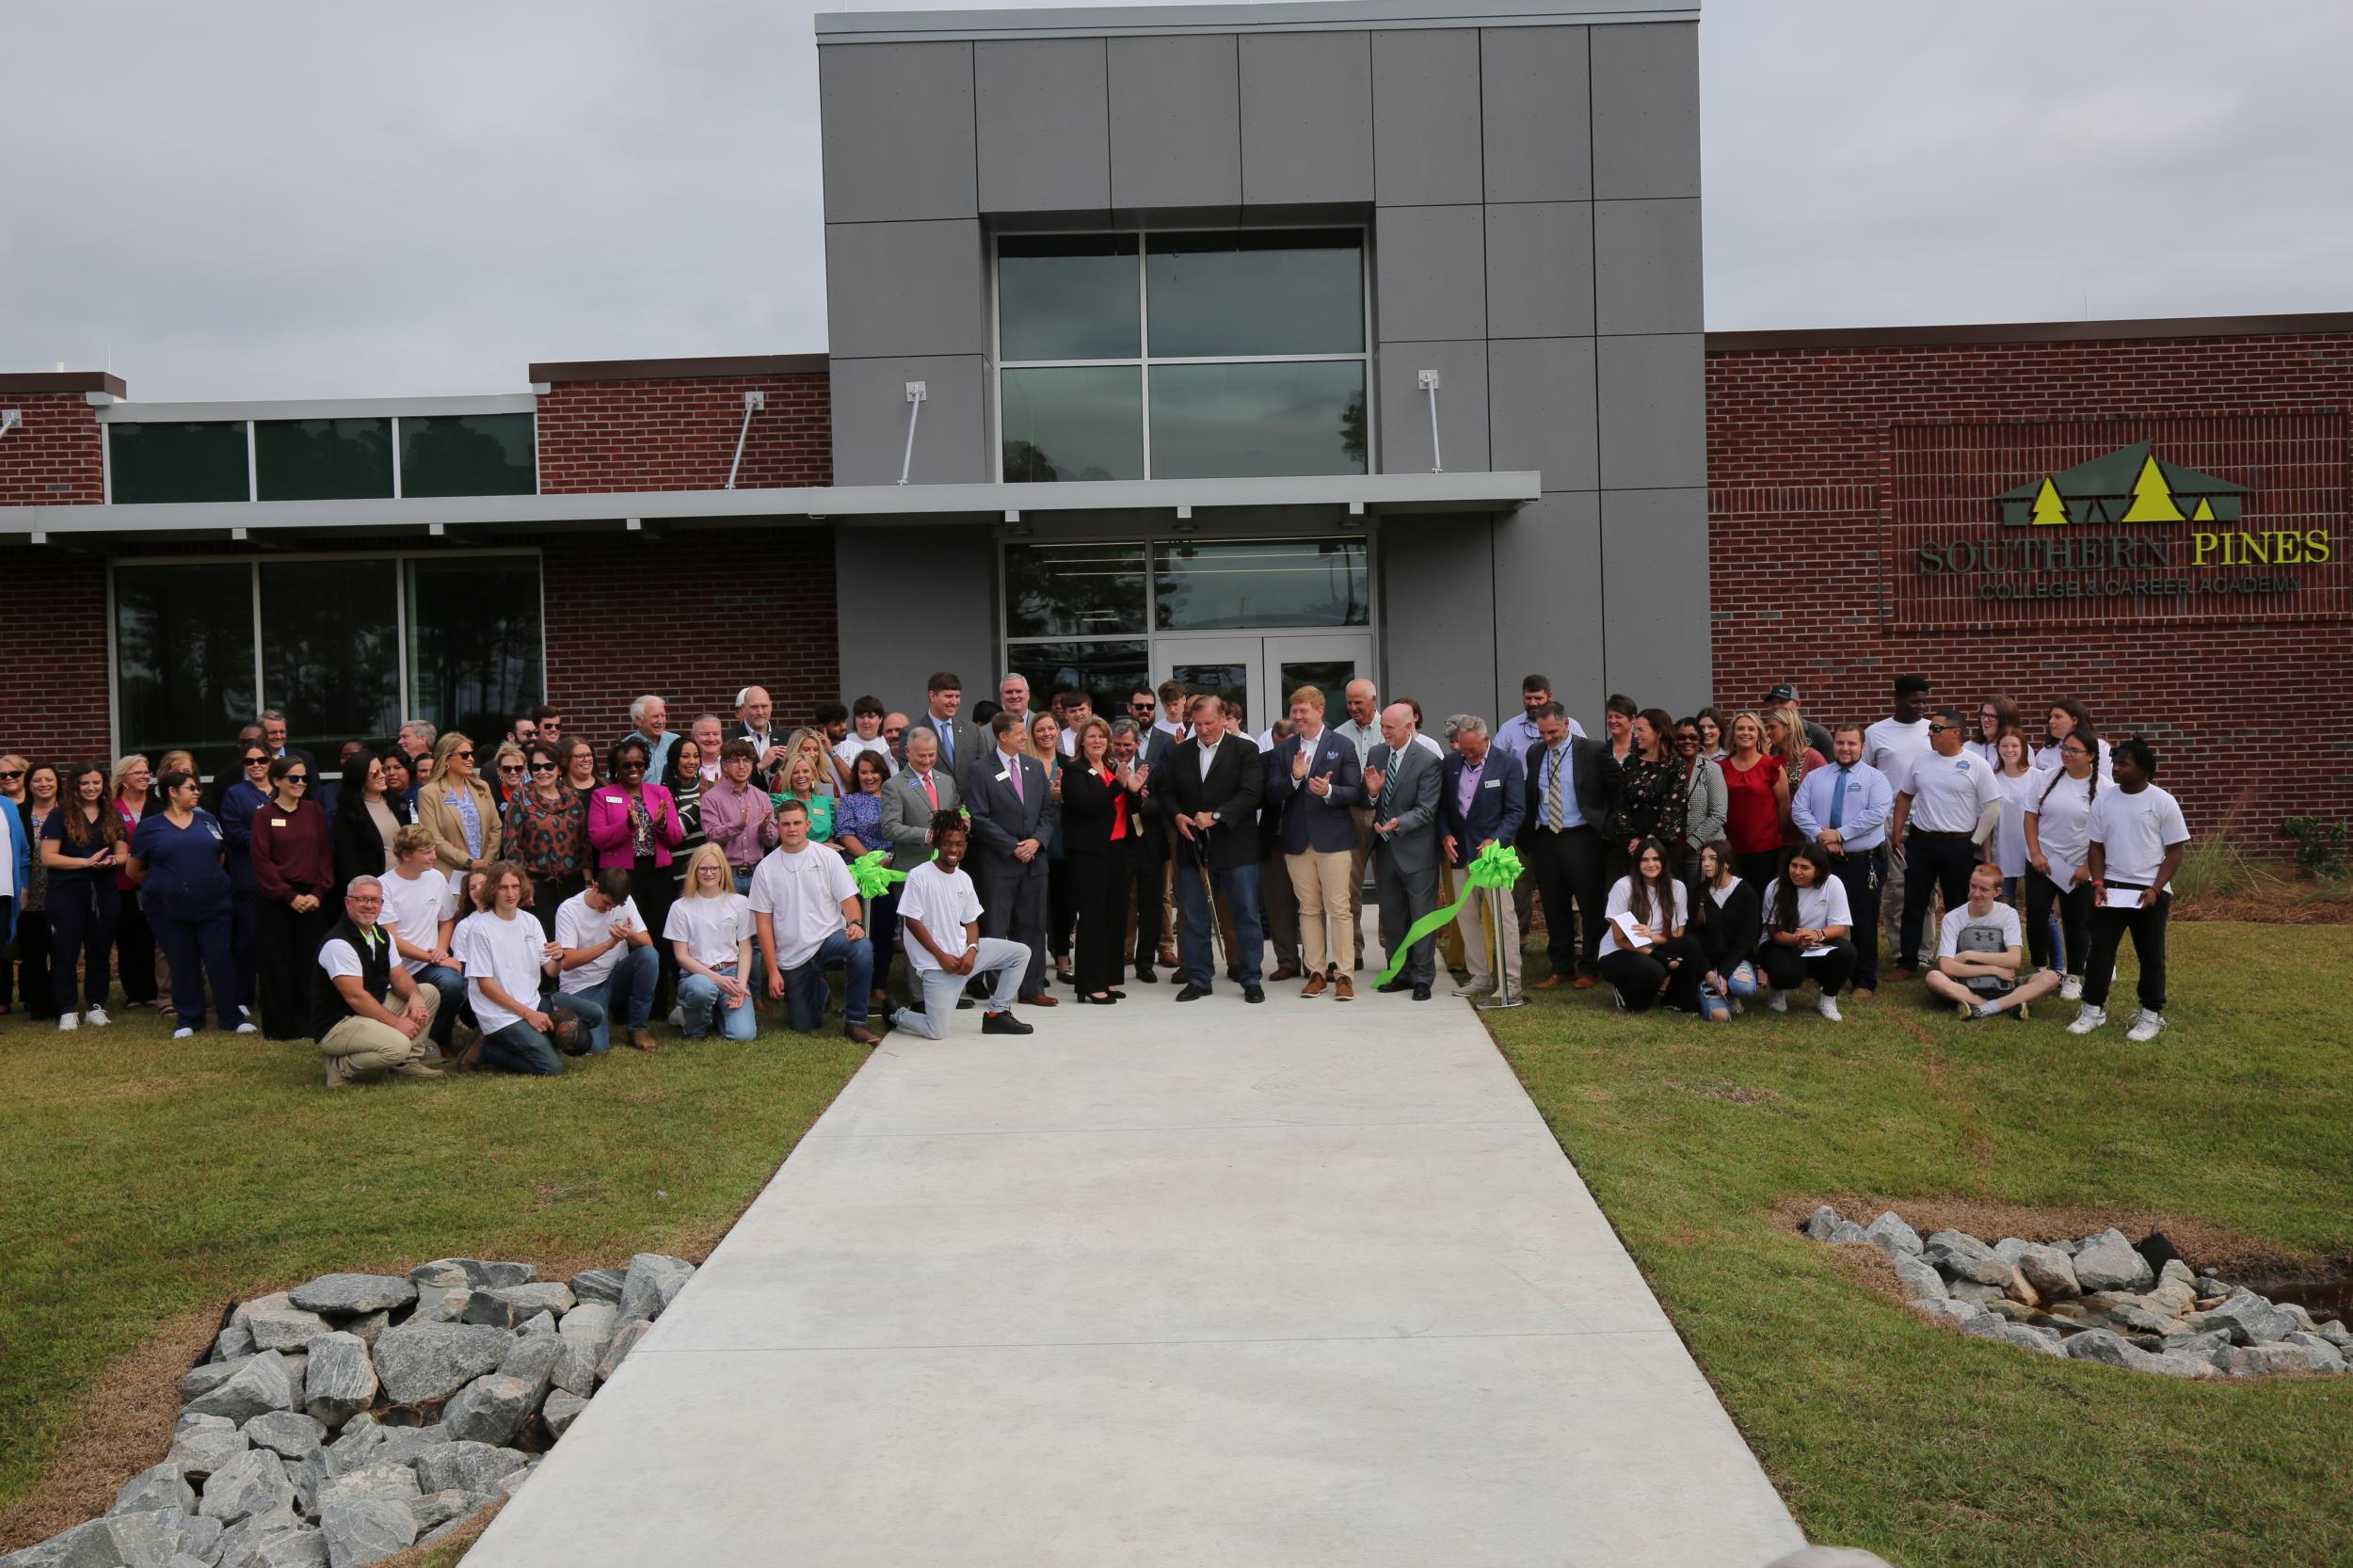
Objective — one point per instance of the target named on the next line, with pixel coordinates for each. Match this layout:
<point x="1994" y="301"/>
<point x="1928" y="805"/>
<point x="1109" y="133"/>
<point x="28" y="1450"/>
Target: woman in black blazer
<point x="1101" y="827"/>
<point x="1727" y="921"/>
<point x="366" y="814"/>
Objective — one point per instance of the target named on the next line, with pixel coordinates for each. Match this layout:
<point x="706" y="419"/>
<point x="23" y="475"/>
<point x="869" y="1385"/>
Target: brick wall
<point x="53" y="459"/>
<point x="52" y="644"/>
<point x="678" y="433"/>
<point x="2253" y="721"/>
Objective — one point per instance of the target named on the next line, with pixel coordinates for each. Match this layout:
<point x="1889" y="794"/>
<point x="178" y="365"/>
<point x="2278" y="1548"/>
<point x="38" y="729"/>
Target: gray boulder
<point x="2051" y="1271"/>
<point x="2107" y="1262"/>
<point x="231" y="1342"/>
<point x="1920" y="1281"/>
<point x="1819" y="1227"/>
<point x="441" y="1304"/>
<point x="310" y="1472"/>
<point x="1985" y="1269"/>
<point x="490" y="1410"/>
<point x="2010" y="1249"/>
<point x="2203" y="1344"/>
<point x="432" y="1361"/>
<point x="624" y="1341"/>
<point x="376" y="1480"/>
<point x="159" y="1486"/>
<point x="200" y="1450"/>
<point x="2329" y="1357"/>
<point x="1947" y="1244"/>
<point x="240" y="1543"/>
<point x="541" y="1296"/>
<point x="203" y="1380"/>
<point x="365" y="1531"/>
<point x="2102" y="1345"/>
<point x="199" y="1537"/>
<point x="2249" y="1361"/>
<point x="654" y="1281"/>
<point x="1847" y="1233"/>
<point x="2176" y="1364"/>
<point x="513" y="1480"/>
<point x="254" y="1483"/>
<point x="145" y="1539"/>
<point x="466" y="1466"/>
<point x="2336" y="1334"/>
<point x="2043" y="1341"/>
<point x="561" y="1410"/>
<point x="1970" y="1290"/>
<point x="439" y="1508"/>
<point x="340" y="1381"/>
<point x="534" y="1361"/>
<point x="292" y="1549"/>
<point x="2251" y="1320"/>
<point x="2208" y="1287"/>
<point x="604" y="1284"/>
<point x="540" y="1327"/>
<point x="367" y="1328"/>
<point x="285" y="1434"/>
<point x="1957" y="1313"/>
<point x="1890" y="1235"/>
<point x="261" y="1384"/>
<point x="284" y="1328"/>
<point x="474" y="1273"/>
<point x="349" y="1295"/>
<point x="590" y="1323"/>
<point x="362" y="1432"/>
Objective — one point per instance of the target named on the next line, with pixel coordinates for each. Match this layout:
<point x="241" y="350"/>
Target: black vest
<point x="328" y="1006"/>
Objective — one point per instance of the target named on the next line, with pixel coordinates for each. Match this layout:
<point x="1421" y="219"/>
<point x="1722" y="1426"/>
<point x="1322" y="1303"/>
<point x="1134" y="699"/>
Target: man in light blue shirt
<point x="1846" y="806"/>
<point x="1515" y="737"/>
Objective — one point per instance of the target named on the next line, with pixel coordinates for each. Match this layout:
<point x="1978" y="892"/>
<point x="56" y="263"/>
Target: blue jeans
<point x="452" y="987"/>
<point x="625" y="992"/>
<point x="1739" y="985"/>
<point x="805" y="989"/>
<point x="520" y="1049"/>
<point x="1240" y="883"/>
<point x="698" y="999"/>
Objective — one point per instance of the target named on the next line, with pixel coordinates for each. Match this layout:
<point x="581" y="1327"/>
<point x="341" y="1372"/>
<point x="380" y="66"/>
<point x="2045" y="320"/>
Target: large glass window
<point x="177" y="462"/>
<point x="1107" y="671"/>
<point x="322" y="459"/>
<point x="1184" y="354"/>
<point x="467" y="455"/>
<point x="190" y="670"/>
<point x="1074" y="590"/>
<point x="1202" y="585"/>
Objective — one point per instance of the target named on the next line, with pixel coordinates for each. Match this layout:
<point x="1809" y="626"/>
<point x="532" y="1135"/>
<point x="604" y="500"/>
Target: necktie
<point x="1552" y="789"/>
<point x="1838" y="799"/>
<point x="930" y="791"/>
<point x="1012" y="767"/>
<point x="946" y="731"/>
<point x="1389" y="785"/>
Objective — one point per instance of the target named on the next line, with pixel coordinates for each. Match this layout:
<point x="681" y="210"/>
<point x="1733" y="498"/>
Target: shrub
<point x="2319" y="845"/>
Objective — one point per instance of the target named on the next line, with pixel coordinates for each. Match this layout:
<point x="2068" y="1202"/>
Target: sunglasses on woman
<point x="543" y="767"/>
<point x="296" y="778"/>
<point x="510" y="767"/>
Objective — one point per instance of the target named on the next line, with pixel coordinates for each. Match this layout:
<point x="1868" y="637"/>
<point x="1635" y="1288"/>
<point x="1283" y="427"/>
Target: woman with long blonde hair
<point x="1757" y="797"/>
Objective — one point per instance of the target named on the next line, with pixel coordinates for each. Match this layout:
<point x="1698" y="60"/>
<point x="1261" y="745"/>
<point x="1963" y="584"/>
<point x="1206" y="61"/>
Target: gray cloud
<point x="240" y="200"/>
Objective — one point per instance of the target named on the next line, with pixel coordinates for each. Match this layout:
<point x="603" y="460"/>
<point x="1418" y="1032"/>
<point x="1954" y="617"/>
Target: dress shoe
<point x="1552" y="982"/>
<point x="1193" y="992"/>
<point x="1005" y="1023"/>
<point x="1042" y="999"/>
<point x="1863" y="993"/>
<point x="1085" y="1000"/>
<point x="1280" y="975"/>
<point x="1116" y="993"/>
<point x="1144" y="974"/>
<point x="1254" y="992"/>
<point x="1314" y="987"/>
<point x="1168" y="958"/>
<point x="1399" y="984"/>
<point x="963" y="1003"/>
<point x="1421" y="993"/>
<point x="1585" y="982"/>
<point x="1344" y="989"/>
<point x="862" y="1035"/>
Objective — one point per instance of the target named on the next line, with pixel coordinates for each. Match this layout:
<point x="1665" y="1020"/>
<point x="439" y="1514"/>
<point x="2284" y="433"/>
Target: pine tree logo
<point x="2129" y="484"/>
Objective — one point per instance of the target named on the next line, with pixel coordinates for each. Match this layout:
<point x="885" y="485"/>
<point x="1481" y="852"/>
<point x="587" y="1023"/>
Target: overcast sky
<point x="244" y="201"/>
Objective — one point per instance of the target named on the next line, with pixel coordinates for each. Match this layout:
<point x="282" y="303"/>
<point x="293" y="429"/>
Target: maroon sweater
<point x="293" y="852"/>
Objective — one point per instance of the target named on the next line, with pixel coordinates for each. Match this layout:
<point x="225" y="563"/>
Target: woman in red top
<point x="295" y="902"/>
<point x="1756" y="795"/>
<point x="1100" y="833"/>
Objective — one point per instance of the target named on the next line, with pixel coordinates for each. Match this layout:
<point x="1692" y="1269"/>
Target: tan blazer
<point x="436" y="816"/>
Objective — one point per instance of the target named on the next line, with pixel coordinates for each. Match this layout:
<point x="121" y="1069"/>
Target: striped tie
<point x="1552" y="789"/>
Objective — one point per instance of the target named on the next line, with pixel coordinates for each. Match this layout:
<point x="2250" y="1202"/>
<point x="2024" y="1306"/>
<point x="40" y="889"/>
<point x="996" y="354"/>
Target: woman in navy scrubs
<point x="177" y="861"/>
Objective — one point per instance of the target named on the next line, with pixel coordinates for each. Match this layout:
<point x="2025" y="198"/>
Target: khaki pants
<point x="1282" y="910"/>
<point x="1450" y="939"/>
<point x="1362" y="817"/>
<point x="1477" y="956"/>
<point x="362" y="1044"/>
<point x="1323" y="882"/>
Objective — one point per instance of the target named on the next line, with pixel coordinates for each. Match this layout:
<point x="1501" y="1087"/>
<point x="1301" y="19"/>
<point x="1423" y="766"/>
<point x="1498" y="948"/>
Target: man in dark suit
<point x="1313" y="781"/>
<point x="273" y="725"/>
<point x="1568" y="799"/>
<point x="962" y="743"/>
<point x="1402" y="775"/>
<point x="1211" y="802"/>
<point x="1482" y="800"/>
<point x="1145" y="752"/>
<point x="1014" y="812"/>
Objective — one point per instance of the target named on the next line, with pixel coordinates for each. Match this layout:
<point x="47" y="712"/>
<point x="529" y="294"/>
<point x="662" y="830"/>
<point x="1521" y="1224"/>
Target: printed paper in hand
<point x="2121" y="898"/>
<point x="1625" y="923"/>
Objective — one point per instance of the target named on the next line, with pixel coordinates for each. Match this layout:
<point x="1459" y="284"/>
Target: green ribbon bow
<point x="873" y="877"/>
<point x="1496" y="866"/>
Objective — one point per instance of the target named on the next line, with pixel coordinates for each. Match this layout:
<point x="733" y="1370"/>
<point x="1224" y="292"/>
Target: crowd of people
<point x="556" y="896"/>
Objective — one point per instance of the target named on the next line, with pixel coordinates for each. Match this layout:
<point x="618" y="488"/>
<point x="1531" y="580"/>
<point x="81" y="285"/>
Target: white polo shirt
<point x="946" y="902"/>
<point x="2135" y="831"/>
<point x="1950" y="794"/>
<point x="579" y="926"/>
<point x="802" y="893"/>
<point x="416" y="910"/>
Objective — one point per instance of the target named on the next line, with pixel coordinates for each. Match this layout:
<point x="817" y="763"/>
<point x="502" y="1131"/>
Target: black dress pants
<point x="1643" y="979"/>
<point x="1566" y="867"/>
<point x="2074" y="917"/>
<point x="2109" y="928"/>
<point x="285" y="950"/>
<point x="1787" y="967"/>
<point x="1860" y="873"/>
<point x="1099" y="886"/>
<point x="134" y="952"/>
<point x="1146" y="878"/>
<point x="1933" y="863"/>
<point x="32" y="956"/>
<point x="1013" y="906"/>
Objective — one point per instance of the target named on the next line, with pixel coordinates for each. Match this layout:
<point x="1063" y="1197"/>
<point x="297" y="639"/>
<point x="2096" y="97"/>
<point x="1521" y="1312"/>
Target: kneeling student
<point x="1806" y="923"/>
<point x="1644" y="955"/>
<point x="1978" y="950"/>
<point x="940" y="912"/>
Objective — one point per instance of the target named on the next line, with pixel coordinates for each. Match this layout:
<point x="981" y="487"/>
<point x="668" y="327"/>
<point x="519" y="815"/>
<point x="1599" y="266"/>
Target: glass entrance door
<point x="1262" y="672"/>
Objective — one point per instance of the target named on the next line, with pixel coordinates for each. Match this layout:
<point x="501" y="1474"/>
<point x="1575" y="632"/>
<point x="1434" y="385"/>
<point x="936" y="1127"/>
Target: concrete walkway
<point x="1207" y="1285"/>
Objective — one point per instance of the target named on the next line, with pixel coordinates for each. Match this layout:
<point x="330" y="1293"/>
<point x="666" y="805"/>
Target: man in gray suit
<point x="1014" y="813"/>
<point x="912" y="797"/>
<point x="962" y="743"/>
<point x="1401" y="781"/>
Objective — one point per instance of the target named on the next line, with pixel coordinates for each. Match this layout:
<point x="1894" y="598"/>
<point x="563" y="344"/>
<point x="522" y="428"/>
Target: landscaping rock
<point x="1847" y="1233"/>
<point x="146" y="1539"/>
<point x="159" y="1486"/>
<point x="358" y="1534"/>
<point x="1945" y="1245"/>
<point x="2172" y="1297"/>
<point x="285" y="1328"/>
<point x="231" y="1342"/>
<point x="285" y="1434"/>
<point x="2016" y="1312"/>
<point x="533" y="1362"/>
<point x="292" y="1549"/>
<point x="2131" y="1318"/>
<point x="654" y="1281"/>
<point x="309" y="1474"/>
<point x="349" y="1295"/>
<point x="2256" y="1360"/>
<point x="260" y="1383"/>
<point x="340" y="1381"/>
<point x="376" y="1480"/>
<point x="490" y="1410"/>
<point x="200" y="1450"/>
<point x="1888" y="1233"/>
<point x="541" y="1327"/>
<point x="2043" y="1341"/>
<point x="240" y="1543"/>
<point x="513" y="1480"/>
<point x="203" y="1380"/>
<point x="432" y="1361"/>
<point x="590" y="1323"/>
<point x="1818" y="1227"/>
<point x="439" y="1508"/>
<point x="2330" y="1359"/>
<point x="2336" y="1334"/>
<point x="2200" y="1344"/>
<point x="251" y="1484"/>
<point x="624" y="1341"/>
<point x="1984" y="1295"/>
<point x="604" y="1284"/>
<point x="298" y="1367"/>
<point x="563" y="1409"/>
<point x="2051" y="1271"/>
<point x="468" y="1467"/>
<point x="2010" y="1249"/>
<point x="402" y="1444"/>
<point x="1920" y="1281"/>
<point x="2178" y="1272"/>
<point x="1980" y="1269"/>
<point x="547" y="1296"/>
<point x="2251" y="1320"/>
<point x="441" y="1305"/>
<point x="474" y="1273"/>
<point x="2107" y="1262"/>
<point x="2104" y="1345"/>
<point x="2176" y="1364"/>
<point x="1950" y="1310"/>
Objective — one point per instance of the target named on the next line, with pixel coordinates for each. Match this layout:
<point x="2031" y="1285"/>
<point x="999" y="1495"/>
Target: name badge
<point x="617" y="800"/>
<point x="1493" y="784"/>
<point x="1005" y="777"/>
<point x="278" y="822"/>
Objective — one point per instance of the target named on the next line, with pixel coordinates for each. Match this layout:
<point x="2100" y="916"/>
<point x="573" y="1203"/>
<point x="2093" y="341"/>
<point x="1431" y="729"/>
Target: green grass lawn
<point x="1885" y="1431"/>
<point x="143" y="1178"/>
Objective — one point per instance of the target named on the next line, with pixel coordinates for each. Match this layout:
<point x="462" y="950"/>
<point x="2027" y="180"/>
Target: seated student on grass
<point x="940" y="912"/>
<point x="1806" y="925"/>
<point x="1646" y="956"/>
<point x="1979" y="948"/>
<point x="710" y="930"/>
<point x="1727" y="922"/>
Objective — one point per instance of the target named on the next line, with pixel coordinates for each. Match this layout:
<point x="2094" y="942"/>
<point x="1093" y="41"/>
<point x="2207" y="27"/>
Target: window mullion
<point x="1143" y="342"/>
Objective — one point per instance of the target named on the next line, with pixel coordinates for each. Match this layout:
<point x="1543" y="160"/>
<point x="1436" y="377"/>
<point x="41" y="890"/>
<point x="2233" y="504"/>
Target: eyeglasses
<point x="543" y="767"/>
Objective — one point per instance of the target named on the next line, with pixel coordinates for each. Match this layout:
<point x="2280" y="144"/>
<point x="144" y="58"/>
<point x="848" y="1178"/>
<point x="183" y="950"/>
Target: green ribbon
<point x="1496" y="866"/>
<point x="873" y="877"/>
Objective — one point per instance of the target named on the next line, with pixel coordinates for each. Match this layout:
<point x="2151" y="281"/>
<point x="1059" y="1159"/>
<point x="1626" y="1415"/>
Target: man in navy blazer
<point x="1482" y="799"/>
<point x="1014" y="813"/>
<point x="1313" y="778"/>
<point x="1210" y="802"/>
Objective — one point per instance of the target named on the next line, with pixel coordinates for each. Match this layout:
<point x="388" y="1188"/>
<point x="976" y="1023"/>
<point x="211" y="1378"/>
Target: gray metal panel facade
<point x="1430" y="273"/>
<point x="936" y="577"/>
<point x="1437" y="623"/>
<point x="1653" y="392"/>
<point x="1646" y="111"/>
<point x="1306" y="118"/>
<point x="1654" y="568"/>
<point x="1542" y="410"/>
<point x="1042" y="109"/>
<point x="1462" y="367"/>
<point x="1425" y="117"/>
<point x="1540" y="270"/>
<point x="1647" y="263"/>
<point x="1549" y="603"/>
<point x="870" y="420"/>
<point x="897" y="134"/>
<point x="906" y="288"/>
<point x="1176" y="122"/>
<point x="1536" y="114"/>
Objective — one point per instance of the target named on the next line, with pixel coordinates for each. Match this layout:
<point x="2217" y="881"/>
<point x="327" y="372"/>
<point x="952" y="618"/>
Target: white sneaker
<point x="2071" y="988"/>
<point x="2147" y="1026"/>
<point x="1777" y="1000"/>
<point x="1983" y="1009"/>
<point x="1827" y="1007"/>
<point x="69" y="1020"/>
<point x="2088" y="1019"/>
<point x="183" y="1033"/>
<point x="248" y="1027"/>
<point x="678" y="1017"/>
<point x="98" y="1016"/>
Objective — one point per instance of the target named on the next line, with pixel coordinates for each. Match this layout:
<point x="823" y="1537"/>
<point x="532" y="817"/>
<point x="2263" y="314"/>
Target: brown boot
<point x="1280" y="975"/>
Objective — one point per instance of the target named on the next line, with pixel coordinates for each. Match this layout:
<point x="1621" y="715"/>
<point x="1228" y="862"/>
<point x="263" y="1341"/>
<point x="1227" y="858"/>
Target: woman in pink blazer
<point x="634" y="825"/>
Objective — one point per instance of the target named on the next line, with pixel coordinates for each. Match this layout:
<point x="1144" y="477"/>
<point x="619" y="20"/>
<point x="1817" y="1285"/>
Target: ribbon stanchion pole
<point x="1503" y="995"/>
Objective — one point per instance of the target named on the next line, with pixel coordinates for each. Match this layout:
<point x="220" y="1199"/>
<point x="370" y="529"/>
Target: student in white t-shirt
<point x="810" y="919"/>
<point x="2058" y="870"/>
<point x="1646" y="956"/>
<point x="2068" y="717"/>
<point x="505" y="953"/>
<point x="939" y="915"/>
<point x="1980" y="948"/>
<point x="2135" y="837"/>
<point x="709" y="933"/>
<point x="865" y="734"/>
<point x="1807" y="923"/>
<point x="609" y="955"/>
<point x="421" y="911"/>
